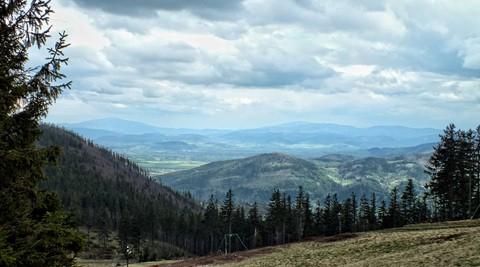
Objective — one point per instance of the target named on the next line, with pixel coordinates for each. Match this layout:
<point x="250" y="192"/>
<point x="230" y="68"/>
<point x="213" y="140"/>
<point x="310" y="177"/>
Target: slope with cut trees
<point x="110" y="194"/>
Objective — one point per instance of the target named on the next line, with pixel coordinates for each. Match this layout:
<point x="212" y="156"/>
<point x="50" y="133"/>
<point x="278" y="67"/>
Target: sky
<point x="250" y="63"/>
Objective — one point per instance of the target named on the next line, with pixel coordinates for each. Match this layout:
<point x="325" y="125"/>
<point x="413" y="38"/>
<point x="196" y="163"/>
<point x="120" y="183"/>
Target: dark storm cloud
<point x="212" y="9"/>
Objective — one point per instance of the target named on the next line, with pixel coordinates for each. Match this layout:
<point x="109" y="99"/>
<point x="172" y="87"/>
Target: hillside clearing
<point x="439" y="244"/>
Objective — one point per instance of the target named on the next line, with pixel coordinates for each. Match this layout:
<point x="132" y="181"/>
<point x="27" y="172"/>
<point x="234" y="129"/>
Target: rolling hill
<point x="254" y="178"/>
<point x="251" y="179"/>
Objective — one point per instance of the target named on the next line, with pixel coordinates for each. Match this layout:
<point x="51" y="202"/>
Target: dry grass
<point x="443" y="244"/>
<point x="113" y="263"/>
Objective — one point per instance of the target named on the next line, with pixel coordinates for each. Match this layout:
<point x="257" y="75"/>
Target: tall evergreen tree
<point x="33" y="229"/>
<point x="464" y="186"/>
<point x="227" y="213"/>
<point x="354" y="211"/>
<point x="442" y="168"/>
<point x="373" y="212"/>
<point x="254" y="222"/>
<point x="275" y="217"/>
<point x="347" y="216"/>
<point x="383" y="215"/>
<point x="394" y="215"/>
<point x="319" y="225"/>
<point x="364" y="214"/>
<point x="308" y="227"/>
<point x="300" y="213"/>
<point x="407" y="203"/>
<point x="476" y="182"/>
<point x="212" y="222"/>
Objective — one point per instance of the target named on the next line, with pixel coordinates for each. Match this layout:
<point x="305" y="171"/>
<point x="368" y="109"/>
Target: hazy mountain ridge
<point x="152" y="146"/>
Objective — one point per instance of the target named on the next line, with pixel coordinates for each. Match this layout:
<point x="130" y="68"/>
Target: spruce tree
<point x="383" y="215"/>
<point x="394" y="215"/>
<point x="227" y="213"/>
<point x="476" y="180"/>
<point x="407" y="204"/>
<point x="364" y="213"/>
<point x="34" y="231"/>
<point x="300" y="213"/>
<point x="347" y="218"/>
<point x="354" y="211"/>
<point x="442" y="168"/>
<point x="254" y="222"/>
<point x="319" y="229"/>
<point x="373" y="212"/>
<point x="212" y="222"/>
<point x="276" y="216"/>
<point x="328" y="221"/>
<point x="308" y="227"/>
<point x="464" y="186"/>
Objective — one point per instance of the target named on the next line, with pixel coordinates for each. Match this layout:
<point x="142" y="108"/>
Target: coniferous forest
<point x="111" y="195"/>
<point x="63" y="197"/>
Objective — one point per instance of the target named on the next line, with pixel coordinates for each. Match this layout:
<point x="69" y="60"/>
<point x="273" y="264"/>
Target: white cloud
<point x="404" y="62"/>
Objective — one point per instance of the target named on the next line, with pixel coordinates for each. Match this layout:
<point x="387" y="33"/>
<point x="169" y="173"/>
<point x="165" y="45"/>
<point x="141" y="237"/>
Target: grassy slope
<point x="441" y="244"/>
<point x="445" y="244"/>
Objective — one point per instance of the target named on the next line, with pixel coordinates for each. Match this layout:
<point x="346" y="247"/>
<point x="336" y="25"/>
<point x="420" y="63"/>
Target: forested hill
<point x="108" y="192"/>
<point x="254" y="178"/>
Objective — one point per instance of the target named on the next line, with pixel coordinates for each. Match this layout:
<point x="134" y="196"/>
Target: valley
<point x="322" y="158"/>
<point x="239" y="133"/>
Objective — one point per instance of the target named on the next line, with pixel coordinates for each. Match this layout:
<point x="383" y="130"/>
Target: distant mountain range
<point x="114" y="126"/>
<point x="323" y="158"/>
<point x="301" y="139"/>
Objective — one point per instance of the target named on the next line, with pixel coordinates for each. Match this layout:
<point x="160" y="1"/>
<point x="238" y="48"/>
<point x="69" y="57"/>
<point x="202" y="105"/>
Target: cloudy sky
<point x="237" y="64"/>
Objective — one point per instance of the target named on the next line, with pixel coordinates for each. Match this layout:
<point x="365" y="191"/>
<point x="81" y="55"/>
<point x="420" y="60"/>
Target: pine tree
<point x="332" y="215"/>
<point x="422" y="210"/>
<point x="383" y="215"/>
<point x="465" y="155"/>
<point x="373" y="212"/>
<point x="347" y="218"/>
<point x="319" y="224"/>
<point x="300" y="213"/>
<point x="276" y="216"/>
<point x="364" y="213"/>
<point x="442" y="167"/>
<point x="308" y="228"/>
<point x="227" y="213"/>
<point x="407" y="204"/>
<point x="476" y="180"/>
<point x="354" y="211"/>
<point x="335" y="216"/>
<point x="328" y="224"/>
<point x="212" y="222"/>
<point x="394" y="215"/>
<point x="34" y="231"/>
<point x="254" y="222"/>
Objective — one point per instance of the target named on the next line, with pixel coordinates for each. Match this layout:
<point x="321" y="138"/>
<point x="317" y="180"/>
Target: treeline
<point x="286" y="219"/>
<point x="455" y="174"/>
<point x="113" y="196"/>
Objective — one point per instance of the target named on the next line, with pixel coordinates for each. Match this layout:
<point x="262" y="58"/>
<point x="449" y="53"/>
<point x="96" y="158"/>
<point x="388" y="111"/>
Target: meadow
<point x="437" y="244"/>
